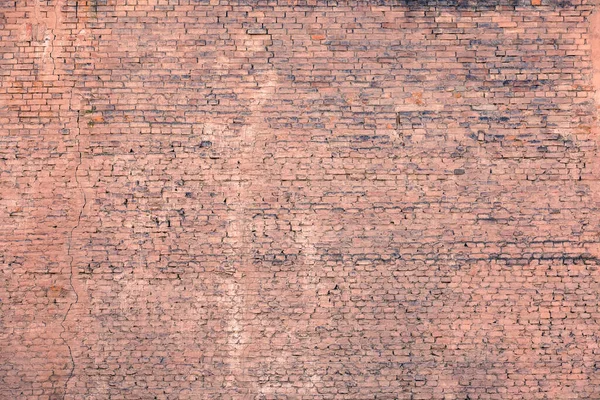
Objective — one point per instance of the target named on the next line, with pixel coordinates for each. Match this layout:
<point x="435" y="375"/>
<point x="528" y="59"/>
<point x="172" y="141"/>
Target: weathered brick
<point x="301" y="199"/>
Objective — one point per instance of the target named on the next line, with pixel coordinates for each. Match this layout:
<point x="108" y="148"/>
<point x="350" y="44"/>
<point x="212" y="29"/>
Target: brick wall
<point x="305" y="199"/>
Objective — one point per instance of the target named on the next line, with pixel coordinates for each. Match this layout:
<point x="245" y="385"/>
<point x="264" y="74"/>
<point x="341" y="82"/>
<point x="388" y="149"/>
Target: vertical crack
<point x="72" y="258"/>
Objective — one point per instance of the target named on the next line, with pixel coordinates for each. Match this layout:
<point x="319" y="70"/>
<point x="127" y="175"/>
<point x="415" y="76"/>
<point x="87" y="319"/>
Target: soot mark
<point x="475" y="5"/>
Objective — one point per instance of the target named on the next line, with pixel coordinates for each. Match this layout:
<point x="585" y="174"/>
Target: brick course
<point x="299" y="199"/>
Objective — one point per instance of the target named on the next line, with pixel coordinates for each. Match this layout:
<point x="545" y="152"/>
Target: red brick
<point x="291" y="199"/>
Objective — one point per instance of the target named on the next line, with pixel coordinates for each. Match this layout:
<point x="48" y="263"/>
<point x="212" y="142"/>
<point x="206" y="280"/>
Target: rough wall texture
<point x="299" y="199"/>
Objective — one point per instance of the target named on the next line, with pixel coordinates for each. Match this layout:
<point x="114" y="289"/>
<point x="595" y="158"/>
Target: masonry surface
<point x="299" y="199"/>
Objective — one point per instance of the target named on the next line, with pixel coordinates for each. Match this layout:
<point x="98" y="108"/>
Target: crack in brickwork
<point x="72" y="266"/>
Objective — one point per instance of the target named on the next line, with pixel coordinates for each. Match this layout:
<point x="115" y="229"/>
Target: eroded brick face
<point x="299" y="199"/>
